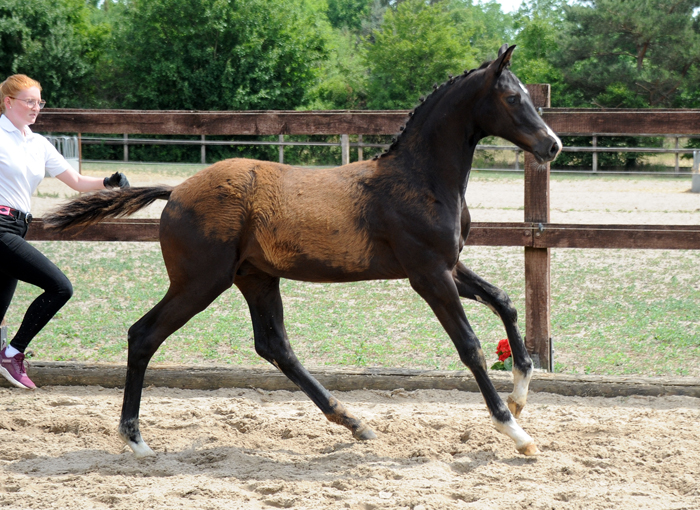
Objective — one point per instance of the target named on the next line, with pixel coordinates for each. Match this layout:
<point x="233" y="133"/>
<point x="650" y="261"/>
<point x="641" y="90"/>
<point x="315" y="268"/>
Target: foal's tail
<point x="93" y="207"/>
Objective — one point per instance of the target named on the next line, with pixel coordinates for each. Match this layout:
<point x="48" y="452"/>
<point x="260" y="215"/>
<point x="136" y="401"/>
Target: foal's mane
<point x="438" y="92"/>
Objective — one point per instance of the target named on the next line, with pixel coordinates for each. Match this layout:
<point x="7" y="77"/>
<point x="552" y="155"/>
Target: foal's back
<point x="298" y="223"/>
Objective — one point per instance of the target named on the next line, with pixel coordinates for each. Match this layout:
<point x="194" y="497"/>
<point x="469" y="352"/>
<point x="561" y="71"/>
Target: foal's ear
<point x="503" y="59"/>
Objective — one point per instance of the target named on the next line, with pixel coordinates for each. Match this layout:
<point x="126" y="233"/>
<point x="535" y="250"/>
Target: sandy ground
<point x="250" y="449"/>
<point x="598" y="200"/>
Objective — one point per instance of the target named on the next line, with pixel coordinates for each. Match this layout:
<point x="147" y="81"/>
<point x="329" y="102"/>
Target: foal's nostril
<point x="554" y="149"/>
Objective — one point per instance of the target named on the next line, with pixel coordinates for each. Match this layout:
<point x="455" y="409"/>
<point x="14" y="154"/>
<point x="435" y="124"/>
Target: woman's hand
<point x="88" y="183"/>
<point x="116" y="180"/>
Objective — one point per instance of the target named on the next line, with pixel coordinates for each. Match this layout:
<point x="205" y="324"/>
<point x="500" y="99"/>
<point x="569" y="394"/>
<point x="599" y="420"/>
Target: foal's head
<point x="507" y="111"/>
<point x="489" y="101"/>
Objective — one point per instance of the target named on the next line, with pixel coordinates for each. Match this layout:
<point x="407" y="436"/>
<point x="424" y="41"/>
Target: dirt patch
<point x="244" y="448"/>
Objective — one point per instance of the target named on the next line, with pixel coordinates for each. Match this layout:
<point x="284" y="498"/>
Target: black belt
<point x="9" y="211"/>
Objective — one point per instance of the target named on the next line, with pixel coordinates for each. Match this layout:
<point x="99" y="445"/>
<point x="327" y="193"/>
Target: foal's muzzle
<point x="547" y="149"/>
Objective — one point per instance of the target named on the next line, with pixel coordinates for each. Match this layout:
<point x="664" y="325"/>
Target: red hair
<point x="13" y="85"/>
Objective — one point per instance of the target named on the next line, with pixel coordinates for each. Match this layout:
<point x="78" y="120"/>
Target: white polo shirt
<point x="24" y="161"/>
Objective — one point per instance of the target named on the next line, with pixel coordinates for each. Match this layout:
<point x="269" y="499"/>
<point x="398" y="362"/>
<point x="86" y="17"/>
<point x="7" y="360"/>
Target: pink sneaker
<point x="13" y="370"/>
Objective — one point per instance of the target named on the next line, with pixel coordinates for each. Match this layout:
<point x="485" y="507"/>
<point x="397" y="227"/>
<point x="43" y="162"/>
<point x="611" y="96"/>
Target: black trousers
<point x="19" y="260"/>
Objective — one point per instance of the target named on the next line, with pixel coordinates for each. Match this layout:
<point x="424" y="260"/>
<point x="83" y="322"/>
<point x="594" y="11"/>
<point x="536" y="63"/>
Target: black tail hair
<point x="94" y="207"/>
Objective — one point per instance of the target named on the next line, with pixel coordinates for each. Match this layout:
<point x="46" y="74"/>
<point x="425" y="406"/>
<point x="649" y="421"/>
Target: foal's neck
<point x="438" y="142"/>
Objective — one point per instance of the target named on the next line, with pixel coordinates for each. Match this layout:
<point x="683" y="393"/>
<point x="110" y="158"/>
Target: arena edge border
<point x="211" y="377"/>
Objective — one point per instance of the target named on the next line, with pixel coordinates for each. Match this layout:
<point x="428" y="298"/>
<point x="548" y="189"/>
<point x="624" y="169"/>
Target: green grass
<point x="47" y="195"/>
<point x="613" y="312"/>
<point x="631" y="312"/>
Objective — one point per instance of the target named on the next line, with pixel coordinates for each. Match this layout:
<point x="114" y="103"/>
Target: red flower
<point x="503" y="350"/>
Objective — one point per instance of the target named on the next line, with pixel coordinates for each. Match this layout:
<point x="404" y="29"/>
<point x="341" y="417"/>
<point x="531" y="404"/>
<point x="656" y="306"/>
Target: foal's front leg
<point x="440" y="292"/>
<point x="472" y="286"/>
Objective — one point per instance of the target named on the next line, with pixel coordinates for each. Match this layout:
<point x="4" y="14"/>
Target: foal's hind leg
<point x="263" y="297"/>
<point x="179" y="305"/>
<point x="472" y="286"/>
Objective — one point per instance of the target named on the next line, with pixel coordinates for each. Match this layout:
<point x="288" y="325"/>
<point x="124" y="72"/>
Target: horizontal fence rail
<point x="533" y="235"/>
<point x="68" y="146"/>
<point x="565" y="122"/>
<point x="621" y="122"/>
<point x="284" y="143"/>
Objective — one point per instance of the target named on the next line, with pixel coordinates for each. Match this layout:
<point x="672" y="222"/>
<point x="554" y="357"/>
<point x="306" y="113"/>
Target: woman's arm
<point x="81" y="182"/>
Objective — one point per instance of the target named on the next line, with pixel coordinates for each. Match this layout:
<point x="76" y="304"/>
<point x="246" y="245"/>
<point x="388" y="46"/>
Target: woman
<point x="25" y="157"/>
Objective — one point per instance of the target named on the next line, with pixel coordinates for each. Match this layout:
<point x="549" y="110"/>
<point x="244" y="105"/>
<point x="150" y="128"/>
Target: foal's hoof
<point x="139" y="447"/>
<point x="514" y="407"/>
<point x="142" y="451"/>
<point x="364" y="433"/>
<point x="530" y="450"/>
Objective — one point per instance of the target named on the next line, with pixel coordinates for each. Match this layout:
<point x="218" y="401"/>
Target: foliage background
<point x="344" y="54"/>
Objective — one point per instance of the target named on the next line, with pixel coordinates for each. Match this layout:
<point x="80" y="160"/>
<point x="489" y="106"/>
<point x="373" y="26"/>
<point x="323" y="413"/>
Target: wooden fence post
<point x="695" y="186"/>
<point x="344" y="149"/>
<point x="594" y="168"/>
<point x="537" y="260"/>
<point x="80" y="153"/>
<point x="677" y="167"/>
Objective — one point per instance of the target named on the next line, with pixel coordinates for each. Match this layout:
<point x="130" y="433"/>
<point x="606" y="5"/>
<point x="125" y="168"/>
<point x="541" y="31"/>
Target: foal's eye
<point x="513" y="99"/>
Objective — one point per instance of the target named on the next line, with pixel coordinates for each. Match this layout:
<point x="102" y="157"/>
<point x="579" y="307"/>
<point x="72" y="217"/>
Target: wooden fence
<point x="536" y="234"/>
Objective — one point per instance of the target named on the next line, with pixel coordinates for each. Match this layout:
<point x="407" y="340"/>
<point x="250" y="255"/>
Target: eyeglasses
<point x="31" y="103"/>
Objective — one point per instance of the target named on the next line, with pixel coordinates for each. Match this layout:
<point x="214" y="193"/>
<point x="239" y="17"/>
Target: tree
<point x="348" y="13"/>
<point x="55" y="43"/>
<point x="215" y="54"/>
<point x="483" y="26"/>
<point x="630" y="53"/>
<point x="389" y="61"/>
<point x="420" y="43"/>
<point x="343" y="82"/>
<point x="539" y="24"/>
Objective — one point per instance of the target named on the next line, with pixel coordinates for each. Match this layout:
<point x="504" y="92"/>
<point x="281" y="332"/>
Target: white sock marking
<point x="513" y="431"/>
<point x="141" y="450"/>
<point x="521" y="384"/>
